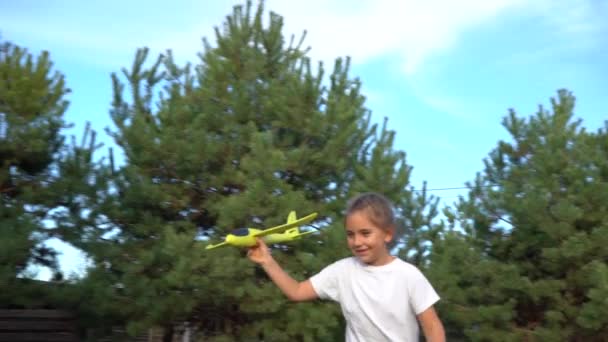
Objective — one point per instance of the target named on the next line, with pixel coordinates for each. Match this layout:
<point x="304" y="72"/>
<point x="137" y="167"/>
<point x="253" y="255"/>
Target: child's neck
<point x="385" y="260"/>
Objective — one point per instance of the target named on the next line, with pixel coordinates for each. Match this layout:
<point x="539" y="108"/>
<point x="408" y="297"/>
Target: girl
<point x="382" y="297"/>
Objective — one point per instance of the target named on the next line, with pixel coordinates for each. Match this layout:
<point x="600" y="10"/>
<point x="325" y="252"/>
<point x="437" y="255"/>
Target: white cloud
<point x="108" y="33"/>
<point x="570" y="29"/>
<point x="574" y="17"/>
<point x="412" y="30"/>
<point x="415" y="30"/>
<point x="363" y="30"/>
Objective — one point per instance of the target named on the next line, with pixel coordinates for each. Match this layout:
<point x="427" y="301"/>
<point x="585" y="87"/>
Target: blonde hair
<point x="378" y="208"/>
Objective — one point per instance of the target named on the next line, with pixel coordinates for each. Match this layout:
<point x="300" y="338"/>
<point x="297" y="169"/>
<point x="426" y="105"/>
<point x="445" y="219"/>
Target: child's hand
<point x="260" y="254"/>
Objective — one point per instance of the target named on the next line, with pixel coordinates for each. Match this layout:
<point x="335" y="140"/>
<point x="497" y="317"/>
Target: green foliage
<point x="31" y="106"/>
<point x="240" y="139"/>
<point x="41" y="178"/>
<point x="530" y="262"/>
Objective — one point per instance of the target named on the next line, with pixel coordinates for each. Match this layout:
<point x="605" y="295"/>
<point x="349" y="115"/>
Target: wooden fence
<point x="37" y="325"/>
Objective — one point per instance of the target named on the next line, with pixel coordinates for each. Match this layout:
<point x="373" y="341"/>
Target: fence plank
<point x="50" y="314"/>
<point x="37" y="337"/>
<point x="36" y="325"/>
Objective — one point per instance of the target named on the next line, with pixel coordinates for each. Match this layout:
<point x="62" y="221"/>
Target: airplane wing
<point x="303" y="234"/>
<point x="284" y="227"/>
<point x="216" y="245"/>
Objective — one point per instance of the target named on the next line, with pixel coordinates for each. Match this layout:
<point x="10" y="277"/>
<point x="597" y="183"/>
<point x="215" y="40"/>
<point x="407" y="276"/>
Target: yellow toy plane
<point x="247" y="237"/>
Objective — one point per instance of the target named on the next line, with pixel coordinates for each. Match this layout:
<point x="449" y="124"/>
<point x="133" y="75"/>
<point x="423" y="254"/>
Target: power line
<point x="453" y="188"/>
<point x="442" y="189"/>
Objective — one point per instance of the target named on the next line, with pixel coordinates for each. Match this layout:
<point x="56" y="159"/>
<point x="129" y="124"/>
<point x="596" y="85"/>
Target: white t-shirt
<point x="379" y="303"/>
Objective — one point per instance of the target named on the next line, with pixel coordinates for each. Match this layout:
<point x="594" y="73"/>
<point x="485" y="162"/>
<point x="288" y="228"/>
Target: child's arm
<point x="294" y="290"/>
<point x="431" y="325"/>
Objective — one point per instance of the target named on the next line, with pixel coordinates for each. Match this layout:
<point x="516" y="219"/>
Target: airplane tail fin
<point x="292" y="218"/>
<point x="295" y="232"/>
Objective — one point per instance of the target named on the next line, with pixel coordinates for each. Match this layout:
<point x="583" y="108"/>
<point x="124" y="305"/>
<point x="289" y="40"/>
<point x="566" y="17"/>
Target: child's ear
<point x="390" y="234"/>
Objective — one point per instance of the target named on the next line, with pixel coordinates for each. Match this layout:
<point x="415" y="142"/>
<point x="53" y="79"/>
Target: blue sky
<point x="444" y="72"/>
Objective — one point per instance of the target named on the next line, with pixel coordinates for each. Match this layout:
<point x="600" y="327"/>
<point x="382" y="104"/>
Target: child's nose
<point x="358" y="240"/>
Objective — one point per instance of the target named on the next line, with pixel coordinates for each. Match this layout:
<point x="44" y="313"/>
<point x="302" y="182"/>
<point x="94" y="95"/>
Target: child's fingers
<point x="261" y="242"/>
<point x="252" y="249"/>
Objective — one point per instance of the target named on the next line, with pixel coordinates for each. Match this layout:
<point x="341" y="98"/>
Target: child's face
<point x="366" y="240"/>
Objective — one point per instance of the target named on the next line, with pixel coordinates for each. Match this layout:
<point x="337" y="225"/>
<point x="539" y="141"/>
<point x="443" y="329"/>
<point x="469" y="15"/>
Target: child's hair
<point x="378" y="208"/>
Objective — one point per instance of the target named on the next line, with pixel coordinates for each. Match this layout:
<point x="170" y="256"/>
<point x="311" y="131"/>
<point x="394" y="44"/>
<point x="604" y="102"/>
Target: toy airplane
<point x="247" y="237"/>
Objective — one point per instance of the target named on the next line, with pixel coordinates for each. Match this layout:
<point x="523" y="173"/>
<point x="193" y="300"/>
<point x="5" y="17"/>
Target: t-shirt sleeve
<point x="325" y="283"/>
<point x="422" y="293"/>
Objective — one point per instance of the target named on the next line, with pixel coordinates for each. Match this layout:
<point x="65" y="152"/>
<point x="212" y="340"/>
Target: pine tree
<point x="40" y="175"/>
<point x="239" y="140"/>
<point x="530" y="262"/>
